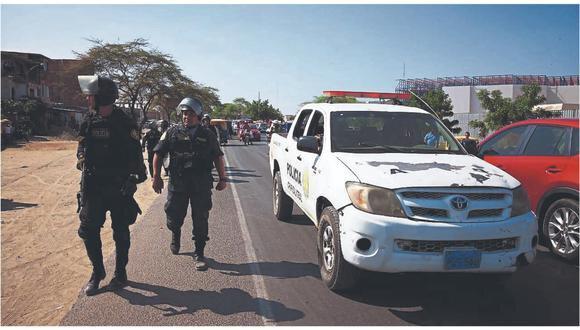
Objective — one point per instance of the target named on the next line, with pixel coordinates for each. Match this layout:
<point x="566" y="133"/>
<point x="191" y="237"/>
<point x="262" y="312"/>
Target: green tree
<point x="146" y="77"/>
<point x="28" y="114"/>
<point x="441" y="104"/>
<point x="335" y="99"/>
<point x="503" y="111"/>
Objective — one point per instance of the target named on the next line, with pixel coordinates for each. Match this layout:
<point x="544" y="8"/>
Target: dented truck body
<point x="402" y="203"/>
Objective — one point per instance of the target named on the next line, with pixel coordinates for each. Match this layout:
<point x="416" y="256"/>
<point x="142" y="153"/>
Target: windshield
<point x="380" y="132"/>
<point x="253" y="126"/>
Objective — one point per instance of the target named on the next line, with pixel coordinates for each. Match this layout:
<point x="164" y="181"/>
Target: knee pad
<point x="88" y="232"/>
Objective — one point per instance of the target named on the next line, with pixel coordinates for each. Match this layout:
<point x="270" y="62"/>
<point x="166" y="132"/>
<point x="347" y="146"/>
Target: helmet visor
<point x="89" y="84"/>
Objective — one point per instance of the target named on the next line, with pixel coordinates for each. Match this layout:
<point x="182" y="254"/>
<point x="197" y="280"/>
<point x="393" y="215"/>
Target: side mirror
<point x="308" y="144"/>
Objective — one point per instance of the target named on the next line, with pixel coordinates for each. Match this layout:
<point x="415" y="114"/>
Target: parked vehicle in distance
<point x="543" y="155"/>
<point x="391" y="190"/>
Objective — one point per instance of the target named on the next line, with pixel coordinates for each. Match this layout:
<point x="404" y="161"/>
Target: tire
<point x="561" y="228"/>
<point x="283" y="204"/>
<point x="336" y="273"/>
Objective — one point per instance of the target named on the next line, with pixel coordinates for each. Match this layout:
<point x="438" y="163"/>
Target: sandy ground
<point x="44" y="264"/>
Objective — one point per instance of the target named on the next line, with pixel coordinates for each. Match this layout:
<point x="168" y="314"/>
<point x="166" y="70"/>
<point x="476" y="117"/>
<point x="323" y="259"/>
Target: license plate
<point x="462" y="259"/>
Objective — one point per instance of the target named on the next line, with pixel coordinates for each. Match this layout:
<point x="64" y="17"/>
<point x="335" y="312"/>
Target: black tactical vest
<point x="107" y="145"/>
<point x="190" y="161"/>
<point x="153" y="139"/>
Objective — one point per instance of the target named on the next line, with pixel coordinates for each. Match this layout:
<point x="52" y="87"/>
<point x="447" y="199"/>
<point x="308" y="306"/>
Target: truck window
<point x="380" y="132"/>
<point x="301" y="124"/>
<point x="316" y="127"/>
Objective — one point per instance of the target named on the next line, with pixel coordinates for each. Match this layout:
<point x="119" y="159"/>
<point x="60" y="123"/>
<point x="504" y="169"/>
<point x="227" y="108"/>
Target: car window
<point x="301" y="124"/>
<point x="548" y="141"/>
<point x="574" y="148"/>
<point x="505" y="143"/>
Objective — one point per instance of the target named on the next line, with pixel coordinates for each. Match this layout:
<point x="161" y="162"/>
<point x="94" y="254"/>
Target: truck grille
<point x="441" y="195"/>
<point x="488" y="245"/>
<point x="485" y="213"/>
<point x="426" y="212"/>
<point x="439" y="204"/>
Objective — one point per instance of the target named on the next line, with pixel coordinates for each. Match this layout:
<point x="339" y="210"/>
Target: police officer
<point x="151" y="139"/>
<point x="205" y="121"/>
<point x="193" y="150"/>
<point x="111" y="161"/>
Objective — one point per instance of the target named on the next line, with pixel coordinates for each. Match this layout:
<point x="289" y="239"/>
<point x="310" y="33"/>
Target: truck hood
<point x="402" y="170"/>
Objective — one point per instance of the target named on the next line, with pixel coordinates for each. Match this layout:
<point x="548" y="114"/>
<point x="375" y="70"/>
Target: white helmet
<point x="190" y="103"/>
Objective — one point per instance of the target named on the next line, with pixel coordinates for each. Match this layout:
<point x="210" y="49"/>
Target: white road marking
<point x="263" y="303"/>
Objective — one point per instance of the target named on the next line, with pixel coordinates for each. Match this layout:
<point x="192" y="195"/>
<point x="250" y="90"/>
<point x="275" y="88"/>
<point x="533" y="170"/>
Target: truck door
<point x="293" y="170"/>
<point x="311" y="164"/>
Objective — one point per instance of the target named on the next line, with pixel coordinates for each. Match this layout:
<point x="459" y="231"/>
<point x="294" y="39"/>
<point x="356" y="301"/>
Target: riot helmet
<point x="103" y="88"/>
<point x="162" y="125"/>
<point x="191" y="104"/>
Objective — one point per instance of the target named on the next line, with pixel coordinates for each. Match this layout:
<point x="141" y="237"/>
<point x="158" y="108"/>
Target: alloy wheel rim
<point x="328" y="247"/>
<point x="563" y="230"/>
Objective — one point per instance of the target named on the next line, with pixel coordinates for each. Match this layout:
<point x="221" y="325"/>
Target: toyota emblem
<point x="459" y="203"/>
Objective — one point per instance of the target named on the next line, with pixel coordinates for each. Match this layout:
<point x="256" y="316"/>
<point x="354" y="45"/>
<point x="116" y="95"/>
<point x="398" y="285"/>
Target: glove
<point x="80" y="162"/>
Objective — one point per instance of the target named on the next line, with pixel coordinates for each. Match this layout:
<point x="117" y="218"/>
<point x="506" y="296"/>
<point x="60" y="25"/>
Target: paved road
<point x="264" y="272"/>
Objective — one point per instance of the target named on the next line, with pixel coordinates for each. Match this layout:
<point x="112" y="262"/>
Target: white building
<point x="561" y="92"/>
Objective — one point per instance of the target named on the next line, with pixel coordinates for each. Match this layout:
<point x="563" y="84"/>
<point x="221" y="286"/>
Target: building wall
<point x="465" y="100"/>
<point x="466" y="105"/>
<point x="61" y="77"/>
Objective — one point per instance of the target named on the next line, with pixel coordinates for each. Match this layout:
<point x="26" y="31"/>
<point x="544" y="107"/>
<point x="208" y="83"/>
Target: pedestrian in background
<point x="193" y="151"/>
<point x="469" y="144"/>
<point x="110" y="158"/>
<point x="151" y="139"/>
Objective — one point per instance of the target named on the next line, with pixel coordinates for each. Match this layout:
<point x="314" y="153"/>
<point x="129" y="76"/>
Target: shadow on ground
<point x="279" y="270"/>
<point x="9" y="204"/>
<point x="234" y="173"/>
<point x="527" y="298"/>
<point x="226" y="301"/>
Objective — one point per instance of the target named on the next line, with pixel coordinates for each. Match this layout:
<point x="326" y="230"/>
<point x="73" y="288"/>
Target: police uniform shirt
<point x="180" y="177"/>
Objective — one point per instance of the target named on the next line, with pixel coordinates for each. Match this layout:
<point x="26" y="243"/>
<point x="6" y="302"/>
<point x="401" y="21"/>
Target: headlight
<point x="374" y="199"/>
<point x="520" y="203"/>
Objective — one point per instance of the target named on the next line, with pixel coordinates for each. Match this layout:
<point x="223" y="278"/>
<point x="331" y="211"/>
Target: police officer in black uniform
<point x="111" y="161"/>
<point x="193" y="150"/>
<point x="151" y="139"/>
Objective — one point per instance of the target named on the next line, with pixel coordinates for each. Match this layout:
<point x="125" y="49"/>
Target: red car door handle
<point x="553" y="169"/>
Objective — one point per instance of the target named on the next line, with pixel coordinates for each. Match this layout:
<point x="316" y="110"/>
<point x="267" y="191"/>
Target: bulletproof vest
<point x="107" y="145"/>
<point x="187" y="155"/>
<point x="153" y="139"/>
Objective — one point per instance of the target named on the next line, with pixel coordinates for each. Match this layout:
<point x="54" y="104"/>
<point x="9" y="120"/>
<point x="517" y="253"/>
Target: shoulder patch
<point x="135" y="134"/>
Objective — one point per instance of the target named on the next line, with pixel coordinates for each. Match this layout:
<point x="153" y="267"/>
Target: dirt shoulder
<point x="44" y="263"/>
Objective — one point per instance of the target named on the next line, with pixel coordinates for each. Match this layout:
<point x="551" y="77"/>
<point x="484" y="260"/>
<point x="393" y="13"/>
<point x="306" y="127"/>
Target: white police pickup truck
<point x="391" y="190"/>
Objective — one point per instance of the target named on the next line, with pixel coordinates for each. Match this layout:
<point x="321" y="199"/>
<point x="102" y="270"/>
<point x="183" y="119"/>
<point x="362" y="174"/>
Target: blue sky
<point x="290" y="53"/>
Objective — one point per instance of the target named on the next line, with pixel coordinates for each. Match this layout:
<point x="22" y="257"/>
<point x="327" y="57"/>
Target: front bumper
<point x="384" y="255"/>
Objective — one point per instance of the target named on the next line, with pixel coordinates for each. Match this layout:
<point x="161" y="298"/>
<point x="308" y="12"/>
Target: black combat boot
<point x="96" y="277"/>
<point x="175" y="242"/>
<point x="120" y="280"/>
<point x="121" y="259"/>
<point x="198" y="255"/>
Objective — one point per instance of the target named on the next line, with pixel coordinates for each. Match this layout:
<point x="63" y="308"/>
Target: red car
<point x="543" y="155"/>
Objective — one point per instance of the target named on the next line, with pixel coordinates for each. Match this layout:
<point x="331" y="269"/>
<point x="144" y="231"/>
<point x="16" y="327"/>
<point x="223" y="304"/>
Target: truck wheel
<point x="283" y="204"/>
<point x="561" y="226"/>
<point x="336" y="273"/>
